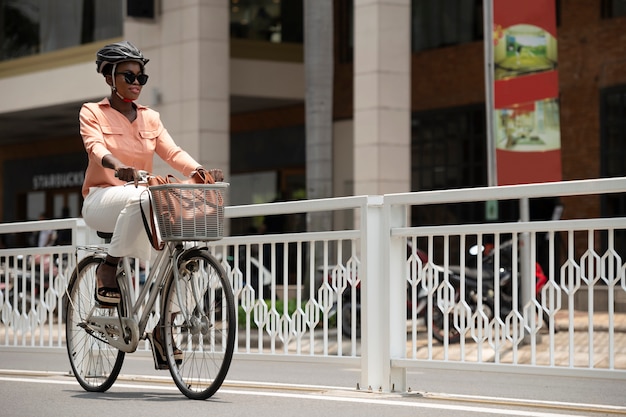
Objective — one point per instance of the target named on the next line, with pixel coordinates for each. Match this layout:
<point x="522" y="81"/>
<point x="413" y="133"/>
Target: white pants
<point x="117" y="209"/>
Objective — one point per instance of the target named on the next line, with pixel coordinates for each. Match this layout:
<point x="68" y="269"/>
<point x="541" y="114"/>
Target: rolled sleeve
<point x="166" y="148"/>
<point x="174" y="155"/>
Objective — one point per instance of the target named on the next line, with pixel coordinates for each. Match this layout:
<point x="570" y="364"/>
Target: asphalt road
<point x="36" y="382"/>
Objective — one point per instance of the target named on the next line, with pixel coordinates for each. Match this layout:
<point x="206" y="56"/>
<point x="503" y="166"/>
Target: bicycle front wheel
<point x="199" y="322"/>
<point x="95" y="363"/>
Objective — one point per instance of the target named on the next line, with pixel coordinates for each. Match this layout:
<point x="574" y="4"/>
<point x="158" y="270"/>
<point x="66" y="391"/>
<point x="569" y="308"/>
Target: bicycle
<point x="197" y="313"/>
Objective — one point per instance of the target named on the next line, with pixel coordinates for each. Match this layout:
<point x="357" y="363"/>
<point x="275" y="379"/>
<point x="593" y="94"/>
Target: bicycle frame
<point x="134" y="322"/>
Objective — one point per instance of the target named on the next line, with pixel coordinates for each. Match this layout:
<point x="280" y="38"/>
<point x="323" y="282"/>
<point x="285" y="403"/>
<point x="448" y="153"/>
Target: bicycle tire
<point x="95" y="364"/>
<point x="202" y="327"/>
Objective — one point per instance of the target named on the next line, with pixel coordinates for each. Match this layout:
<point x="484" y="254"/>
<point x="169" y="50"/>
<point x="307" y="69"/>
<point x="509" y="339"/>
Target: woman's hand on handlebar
<point x="124" y="172"/>
<point x="130" y="174"/>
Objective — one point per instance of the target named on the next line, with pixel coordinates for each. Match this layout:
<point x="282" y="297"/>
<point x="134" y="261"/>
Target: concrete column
<point x="382" y="96"/>
<point x="214" y="84"/>
<point x="318" y="57"/>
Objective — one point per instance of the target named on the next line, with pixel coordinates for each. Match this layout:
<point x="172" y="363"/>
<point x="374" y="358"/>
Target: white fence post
<point x="396" y="279"/>
<point x="375" y="359"/>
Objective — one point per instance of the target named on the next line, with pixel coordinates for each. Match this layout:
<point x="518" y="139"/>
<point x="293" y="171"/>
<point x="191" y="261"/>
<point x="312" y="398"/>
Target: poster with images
<point x="526" y="90"/>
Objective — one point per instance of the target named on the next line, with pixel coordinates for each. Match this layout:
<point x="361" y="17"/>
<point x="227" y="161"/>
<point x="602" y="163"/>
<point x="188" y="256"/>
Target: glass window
<point x="267" y="20"/>
<point x="448" y="148"/>
<point x="29" y="27"/>
<point x="345" y="30"/>
<point x="437" y="23"/>
<point x="434" y="24"/>
<point x="613" y="132"/>
<point x="449" y="151"/>
<point x="613" y="8"/>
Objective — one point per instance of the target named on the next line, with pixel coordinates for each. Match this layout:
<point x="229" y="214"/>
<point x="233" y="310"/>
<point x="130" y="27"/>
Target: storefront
<point x="43" y="186"/>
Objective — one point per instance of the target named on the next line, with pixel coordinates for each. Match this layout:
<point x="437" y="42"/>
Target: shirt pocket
<point x="113" y="136"/>
<point x="108" y="130"/>
<point x="149" y="138"/>
<point x="149" y="134"/>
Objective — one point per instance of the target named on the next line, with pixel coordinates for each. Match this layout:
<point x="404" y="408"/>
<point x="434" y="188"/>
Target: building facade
<point x="228" y="77"/>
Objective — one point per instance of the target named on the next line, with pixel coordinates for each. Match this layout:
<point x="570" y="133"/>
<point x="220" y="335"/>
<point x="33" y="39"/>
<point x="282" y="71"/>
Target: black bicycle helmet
<point x="118" y="52"/>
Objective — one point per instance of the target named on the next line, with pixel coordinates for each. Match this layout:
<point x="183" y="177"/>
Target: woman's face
<point x="129" y="91"/>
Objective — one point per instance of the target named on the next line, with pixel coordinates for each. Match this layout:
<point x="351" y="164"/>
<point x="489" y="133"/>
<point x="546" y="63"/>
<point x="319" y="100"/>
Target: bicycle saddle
<point x="105" y="235"/>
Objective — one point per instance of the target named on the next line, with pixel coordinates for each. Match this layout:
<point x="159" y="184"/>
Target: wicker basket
<point x="189" y="211"/>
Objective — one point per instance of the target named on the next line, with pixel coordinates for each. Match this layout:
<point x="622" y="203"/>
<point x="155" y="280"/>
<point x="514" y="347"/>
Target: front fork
<point x="186" y="270"/>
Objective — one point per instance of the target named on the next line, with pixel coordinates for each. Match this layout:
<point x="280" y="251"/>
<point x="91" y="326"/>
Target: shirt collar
<point x="105" y="102"/>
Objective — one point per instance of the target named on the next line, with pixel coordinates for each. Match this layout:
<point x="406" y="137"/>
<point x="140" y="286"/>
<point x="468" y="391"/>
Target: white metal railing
<point x="353" y="295"/>
<point x="567" y="325"/>
<point x="312" y="270"/>
<point x="33" y="281"/>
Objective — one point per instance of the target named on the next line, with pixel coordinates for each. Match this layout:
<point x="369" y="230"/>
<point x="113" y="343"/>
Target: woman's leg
<point x="117" y="210"/>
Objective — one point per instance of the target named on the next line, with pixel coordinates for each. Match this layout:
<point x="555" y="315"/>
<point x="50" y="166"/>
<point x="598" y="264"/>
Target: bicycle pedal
<point x="158" y="364"/>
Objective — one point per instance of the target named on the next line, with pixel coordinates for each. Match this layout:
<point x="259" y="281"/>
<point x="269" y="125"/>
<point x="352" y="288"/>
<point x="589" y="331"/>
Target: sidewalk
<point x="572" y="345"/>
<point x="581" y="321"/>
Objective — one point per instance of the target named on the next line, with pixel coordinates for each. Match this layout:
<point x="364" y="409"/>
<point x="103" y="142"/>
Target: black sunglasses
<point x="130" y="78"/>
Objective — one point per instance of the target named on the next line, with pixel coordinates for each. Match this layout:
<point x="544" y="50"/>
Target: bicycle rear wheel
<point x="95" y="363"/>
<point x="199" y="319"/>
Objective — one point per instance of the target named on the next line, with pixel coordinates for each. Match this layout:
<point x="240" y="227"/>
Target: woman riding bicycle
<point x="121" y="138"/>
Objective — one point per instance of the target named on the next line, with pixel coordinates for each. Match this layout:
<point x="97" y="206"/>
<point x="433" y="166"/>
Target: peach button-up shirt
<point x="107" y="131"/>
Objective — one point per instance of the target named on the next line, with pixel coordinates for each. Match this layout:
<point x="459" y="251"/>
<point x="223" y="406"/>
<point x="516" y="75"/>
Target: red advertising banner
<point x="525" y="92"/>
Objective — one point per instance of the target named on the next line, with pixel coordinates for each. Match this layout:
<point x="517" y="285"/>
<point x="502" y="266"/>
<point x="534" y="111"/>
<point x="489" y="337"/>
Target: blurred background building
<point x="228" y="77"/>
